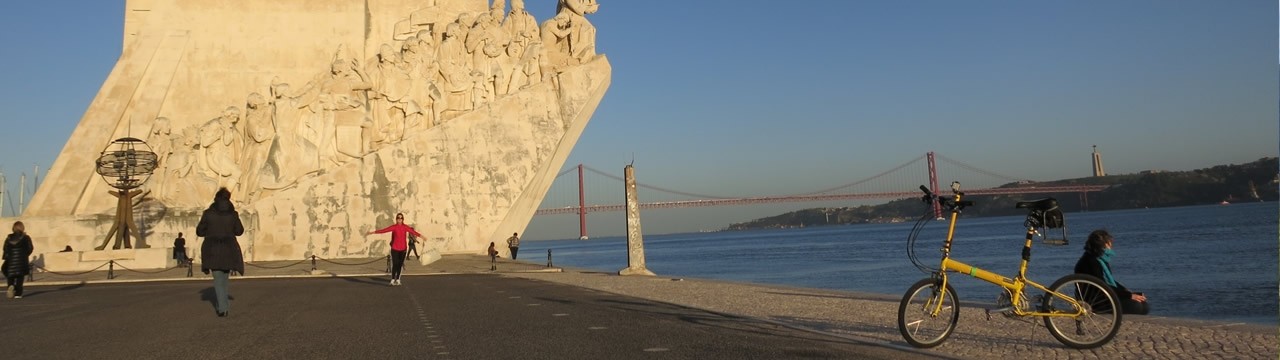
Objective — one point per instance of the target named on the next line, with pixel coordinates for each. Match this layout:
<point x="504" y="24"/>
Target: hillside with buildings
<point x="1255" y="181"/>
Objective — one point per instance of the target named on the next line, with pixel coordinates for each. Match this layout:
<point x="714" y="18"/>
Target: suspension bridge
<point x="569" y="194"/>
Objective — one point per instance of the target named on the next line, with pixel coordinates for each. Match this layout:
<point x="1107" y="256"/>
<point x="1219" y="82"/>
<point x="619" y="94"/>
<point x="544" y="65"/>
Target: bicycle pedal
<point x="1002" y="311"/>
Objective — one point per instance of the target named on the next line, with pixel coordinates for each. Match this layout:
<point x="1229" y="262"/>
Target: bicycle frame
<point x="1015" y="286"/>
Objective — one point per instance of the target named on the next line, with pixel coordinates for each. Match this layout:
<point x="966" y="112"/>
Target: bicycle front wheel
<point x="920" y="325"/>
<point x="1099" y="319"/>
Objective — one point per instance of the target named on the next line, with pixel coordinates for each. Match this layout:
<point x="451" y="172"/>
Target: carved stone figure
<point x="581" y="34"/>
<point x="291" y="155"/>
<point x="337" y="111"/>
<point x="555" y="42"/>
<point x="388" y="101"/>
<point x="260" y="129"/>
<point x="179" y="171"/>
<point x="520" y="23"/>
<point x="220" y="144"/>
<point x="528" y="68"/>
<point x="455" y="67"/>
<point x="487" y="43"/>
<point x="162" y="141"/>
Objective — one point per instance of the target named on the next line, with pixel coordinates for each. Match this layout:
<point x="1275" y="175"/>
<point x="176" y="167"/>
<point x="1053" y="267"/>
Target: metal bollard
<point x="548" y="257"/>
<point x="388" y="264"/>
<point x="31" y="272"/>
<point x="190" y="265"/>
<point x="313" y="264"/>
<point x="493" y="263"/>
<point x="111" y="269"/>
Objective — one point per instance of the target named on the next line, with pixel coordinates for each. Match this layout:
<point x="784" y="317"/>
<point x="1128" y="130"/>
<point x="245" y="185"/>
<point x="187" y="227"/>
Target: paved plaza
<point x="458" y="308"/>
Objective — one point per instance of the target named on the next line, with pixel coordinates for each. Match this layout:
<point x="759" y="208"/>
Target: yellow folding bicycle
<point x="1079" y="310"/>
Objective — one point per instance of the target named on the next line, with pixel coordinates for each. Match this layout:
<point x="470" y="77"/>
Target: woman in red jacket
<point x="399" y="244"/>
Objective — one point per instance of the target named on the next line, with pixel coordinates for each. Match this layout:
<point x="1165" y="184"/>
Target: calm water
<point x="1214" y="262"/>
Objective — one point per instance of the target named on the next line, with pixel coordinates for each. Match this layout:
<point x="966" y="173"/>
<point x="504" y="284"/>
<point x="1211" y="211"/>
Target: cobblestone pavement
<point x="860" y="317"/>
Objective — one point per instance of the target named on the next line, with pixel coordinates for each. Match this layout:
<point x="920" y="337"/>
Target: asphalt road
<point x="429" y="317"/>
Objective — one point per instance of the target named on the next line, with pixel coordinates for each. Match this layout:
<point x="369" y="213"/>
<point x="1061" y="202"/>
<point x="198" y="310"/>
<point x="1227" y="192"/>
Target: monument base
<point x="636" y="271"/>
<point x="134" y="259"/>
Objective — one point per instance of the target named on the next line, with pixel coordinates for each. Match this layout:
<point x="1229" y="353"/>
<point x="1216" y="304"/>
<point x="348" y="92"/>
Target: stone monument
<point x="327" y="117"/>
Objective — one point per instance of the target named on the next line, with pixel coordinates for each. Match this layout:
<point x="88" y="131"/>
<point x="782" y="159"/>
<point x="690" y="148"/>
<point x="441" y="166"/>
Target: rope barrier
<point x="147" y="272"/>
<point x="71" y="274"/>
<point x="276" y="267"/>
<point x="357" y="264"/>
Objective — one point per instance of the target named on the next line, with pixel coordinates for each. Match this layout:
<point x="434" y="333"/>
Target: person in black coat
<point x="220" y="252"/>
<point x="1096" y="261"/>
<point x="180" y="250"/>
<point x="17" y="259"/>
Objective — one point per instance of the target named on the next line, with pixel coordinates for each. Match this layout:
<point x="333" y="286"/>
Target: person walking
<point x="17" y="259"/>
<point x="1096" y="261"/>
<point x="513" y="243"/>
<point x="413" y="247"/>
<point x="180" y="250"/>
<point x="220" y="253"/>
<point x="399" y="245"/>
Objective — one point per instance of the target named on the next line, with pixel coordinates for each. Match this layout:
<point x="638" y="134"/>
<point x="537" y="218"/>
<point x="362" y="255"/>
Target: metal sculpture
<point x="125" y="164"/>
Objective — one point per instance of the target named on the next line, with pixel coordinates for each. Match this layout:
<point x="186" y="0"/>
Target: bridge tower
<point x="582" y="207"/>
<point x="933" y="184"/>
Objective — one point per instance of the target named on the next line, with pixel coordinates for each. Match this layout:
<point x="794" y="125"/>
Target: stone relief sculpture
<point x="425" y="79"/>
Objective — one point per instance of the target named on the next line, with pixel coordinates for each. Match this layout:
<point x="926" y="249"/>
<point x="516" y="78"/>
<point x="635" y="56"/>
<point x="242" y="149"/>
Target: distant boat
<point x="1224" y="202"/>
<point x="583" y="237"/>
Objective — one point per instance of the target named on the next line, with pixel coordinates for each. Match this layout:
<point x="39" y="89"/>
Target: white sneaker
<point x="393" y="282"/>
<point x="397" y="282"/>
<point x="17" y="297"/>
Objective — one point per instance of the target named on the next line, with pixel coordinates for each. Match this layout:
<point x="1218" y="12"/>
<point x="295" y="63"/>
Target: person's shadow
<point x="211" y="295"/>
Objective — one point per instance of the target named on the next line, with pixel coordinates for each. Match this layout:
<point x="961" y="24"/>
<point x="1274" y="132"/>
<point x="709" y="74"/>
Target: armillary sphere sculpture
<point x="125" y="164"/>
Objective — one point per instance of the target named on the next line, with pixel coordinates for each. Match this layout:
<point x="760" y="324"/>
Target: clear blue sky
<point x="751" y="98"/>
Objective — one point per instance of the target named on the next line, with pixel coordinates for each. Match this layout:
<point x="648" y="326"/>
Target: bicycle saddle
<point x="1042" y="204"/>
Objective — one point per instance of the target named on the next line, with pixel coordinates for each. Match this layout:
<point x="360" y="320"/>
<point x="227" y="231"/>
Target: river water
<point x="1212" y="262"/>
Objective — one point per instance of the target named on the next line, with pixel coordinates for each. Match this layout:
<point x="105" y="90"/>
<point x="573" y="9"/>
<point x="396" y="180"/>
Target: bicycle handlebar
<point x="930" y="197"/>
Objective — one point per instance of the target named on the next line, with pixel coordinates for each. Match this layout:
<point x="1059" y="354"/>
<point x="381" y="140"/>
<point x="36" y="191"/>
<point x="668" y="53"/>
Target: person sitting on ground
<point x="1096" y="261"/>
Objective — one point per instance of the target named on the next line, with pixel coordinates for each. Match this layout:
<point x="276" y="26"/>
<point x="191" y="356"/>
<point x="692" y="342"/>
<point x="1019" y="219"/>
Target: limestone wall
<point x="326" y="117"/>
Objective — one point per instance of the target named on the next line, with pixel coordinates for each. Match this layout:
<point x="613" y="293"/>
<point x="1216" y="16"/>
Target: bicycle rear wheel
<point x="1100" y="320"/>
<point x="916" y="320"/>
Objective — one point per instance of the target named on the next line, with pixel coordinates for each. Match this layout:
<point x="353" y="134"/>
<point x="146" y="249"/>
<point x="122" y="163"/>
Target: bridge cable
<point x="638" y="184"/>
<point x="859" y="182"/>
<point x="976" y="169"/>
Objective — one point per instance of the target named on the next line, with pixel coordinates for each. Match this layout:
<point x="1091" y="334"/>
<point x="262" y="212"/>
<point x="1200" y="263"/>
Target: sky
<point x="754" y="98"/>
